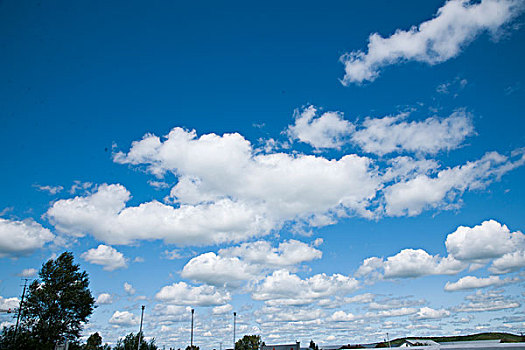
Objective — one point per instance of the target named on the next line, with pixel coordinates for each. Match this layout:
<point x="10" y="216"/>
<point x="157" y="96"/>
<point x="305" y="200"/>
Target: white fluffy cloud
<point x="328" y="130"/>
<point x="456" y="24"/>
<point x="486" y="241"/>
<point x="104" y="298"/>
<point x="472" y="282"/>
<point x="426" y="313"/>
<point x="22" y="237"/>
<point x="284" y="288"/>
<point x="9" y="303"/>
<point x="106" y="256"/>
<point x="218" y="270"/>
<point x="28" y="272"/>
<point x="128" y="288"/>
<point x="184" y="294"/>
<point x="509" y="262"/>
<point x="422" y="192"/>
<point x="246" y="262"/>
<point x="393" y="134"/>
<point x="123" y="318"/>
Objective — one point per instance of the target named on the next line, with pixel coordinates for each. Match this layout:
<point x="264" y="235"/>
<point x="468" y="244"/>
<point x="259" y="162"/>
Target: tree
<point x="131" y="341"/>
<point x="313" y="346"/>
<point x="192" y="347"/>
<point x="59" y="303"/>
<point x="248" y="342"/>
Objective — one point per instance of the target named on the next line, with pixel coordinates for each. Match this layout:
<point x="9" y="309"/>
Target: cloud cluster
<point x="106" y="256"/>
<point x="22" y="237"/>
<point x="481" y="244"/>
<point x="247" y="262"/>
<point x="441" y="38"/>
<point x="183" y="294"/>
<point x="123" y="318"/>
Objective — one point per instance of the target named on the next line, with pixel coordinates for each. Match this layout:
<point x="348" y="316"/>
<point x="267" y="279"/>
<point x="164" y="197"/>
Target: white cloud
<point x="426" y="313"/>
<point x="28" y="272"/>
<point x="483" y="301"/>
<point x="284" y="288"/>
<point x="128" y="288"/>
<point x="223" y="309"/>
<point x="422" y="192"/>
<point x="183" y="294"/>
<point x="472" y="282"/>
<point x="288" y="253"/>
<point x="218" y="270"/>
<point x="509" y="262"/>
<point x="104" y="298"/>
<point x="328" y="130"/>
<point x="9" y="303"/>
<point x="456" y="24"/>
<point x="488" y="240"/>
<point x="393" y="134"/>
<point x="123" y="318"/>
<point x="340" y="315"/>
<point x="50" y="189"/>
<point x="22" y="237"/>
<point x="106" y="256"/>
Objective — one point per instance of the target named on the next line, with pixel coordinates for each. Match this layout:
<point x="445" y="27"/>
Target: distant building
<point x="296" y="346"/>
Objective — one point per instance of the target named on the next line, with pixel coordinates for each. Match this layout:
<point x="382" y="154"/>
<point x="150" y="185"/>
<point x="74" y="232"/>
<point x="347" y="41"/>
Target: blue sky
<point x="330" y="171"/>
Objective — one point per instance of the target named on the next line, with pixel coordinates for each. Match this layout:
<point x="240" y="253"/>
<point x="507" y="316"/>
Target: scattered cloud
<point x="439" y="39"/>
<point x="104" y="299"/>
<point x="22" y="237"/>
<point x="427" y="313"/>
<point x="31" y="272"/>
<point x="492" y="301"/>
<point x="472" y="282"/>
<point x="394" y="134"/>
<point x="328" y="130"/>
<point x="128" y="288"/>
<point x="106" y="256"/>
<point x="9" y="303"/>
<point x="123" y="318"/>
<point x="49" y="189"/>
<point x="183" y="294"/>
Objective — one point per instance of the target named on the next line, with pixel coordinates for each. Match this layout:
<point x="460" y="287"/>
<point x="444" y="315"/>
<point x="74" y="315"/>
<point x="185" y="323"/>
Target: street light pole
<point x="140" y="331"/>
<point x="234" y="317"/>
<point x="191" y="342"/>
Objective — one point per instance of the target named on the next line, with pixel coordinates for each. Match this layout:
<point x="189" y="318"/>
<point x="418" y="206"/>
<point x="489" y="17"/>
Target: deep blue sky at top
<point x="77" y="77"/>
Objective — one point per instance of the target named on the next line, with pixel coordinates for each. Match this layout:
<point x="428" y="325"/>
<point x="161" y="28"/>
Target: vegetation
<point x="248" y="342"/>
<point x="313" y="345"/>
<point x="192" y="347"/>
<point x="57" y="305"/>
<point x="131" y="342"/>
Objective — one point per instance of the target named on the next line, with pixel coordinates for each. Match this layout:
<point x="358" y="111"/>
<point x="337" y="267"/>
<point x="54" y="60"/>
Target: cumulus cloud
<point x="128" y="288"/>
<point x="104" y="298"/>
<point x="28" y="272"/>
<point x="328" y="130"/>
<point x="246" y="262"/>
<point x="472" y="282"/>
<point x="488" y="240"/>
<point x="483" y="301"/>
<point x="427" y="313"/>
<point x="509" y="262"/>
<point x="393" y="134"/>
<point x="183" y="294"/>
<point x="106" y="256"/>
<point x="223" y="309"/>
<point x="284" y="288"/>
<point x="217" y="270"/>
<point x="423" y="191"/>
<point x="9" y="303"/>
<point x="342" y="316"/>
<point x="439" y="39"/>
<point x="22" y="237"/>
<point x="123" y="318"/>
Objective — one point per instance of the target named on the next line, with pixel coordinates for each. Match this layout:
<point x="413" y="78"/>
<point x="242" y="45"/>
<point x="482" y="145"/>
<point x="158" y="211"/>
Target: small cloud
<point x="106" y="256"/>
<point x="172" y="254"/>
<point x="79" y="185"/>
<point x="128" y="288"/>
<point x="50" y="189"/>
<point x="158" y="185"/>
<point x="104" y="299"/>
<point x="138" y="259"/>
<point x="28" y="273"/>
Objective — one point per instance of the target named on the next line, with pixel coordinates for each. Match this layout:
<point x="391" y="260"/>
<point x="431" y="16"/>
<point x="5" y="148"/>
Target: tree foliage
<point x="131" y="341"/>
<point x="313" y="345"/>
<point x="248" y="342"/>
<point x="192" y="347"/>
<point x="60" y="302"/>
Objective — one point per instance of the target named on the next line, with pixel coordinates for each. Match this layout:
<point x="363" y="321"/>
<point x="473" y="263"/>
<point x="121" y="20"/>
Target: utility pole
<point x="140" y="331"/>
<point x="234" y="316"/>
<point x="388" y="339"/>
<point x="20" y="307"/>
<point x="191" y="342"/>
